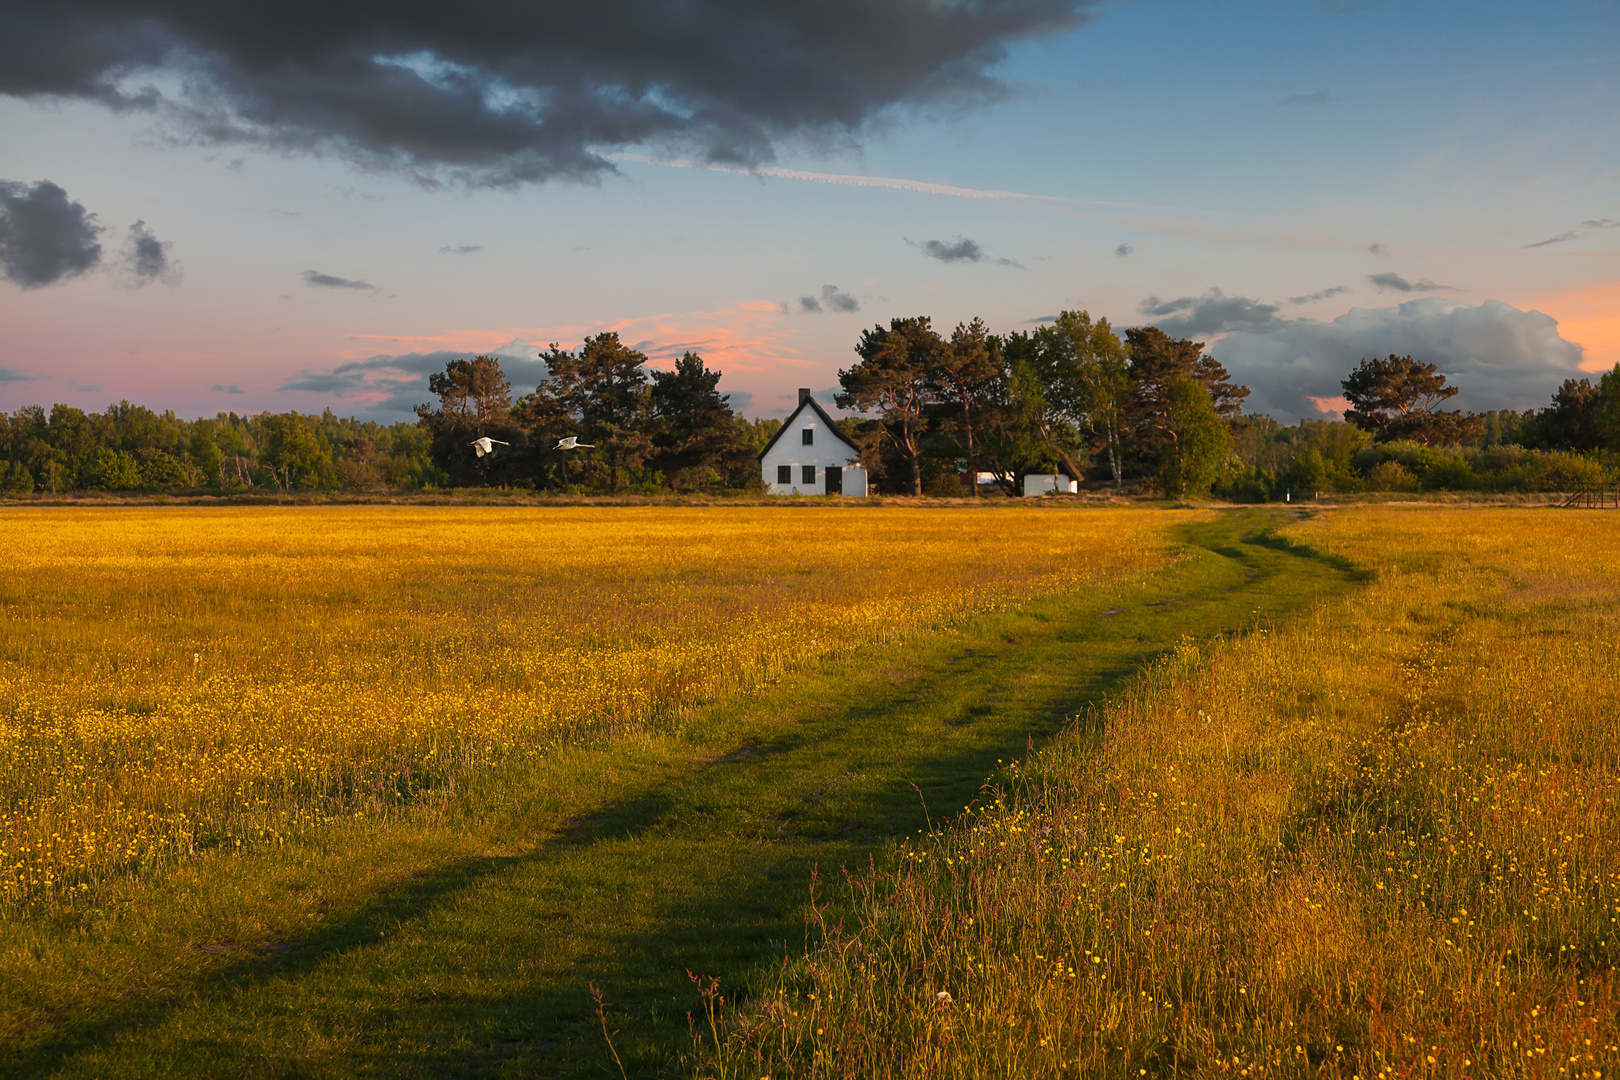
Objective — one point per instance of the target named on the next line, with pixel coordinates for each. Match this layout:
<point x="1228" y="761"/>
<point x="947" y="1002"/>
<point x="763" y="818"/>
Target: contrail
<point x="893" y="182"/>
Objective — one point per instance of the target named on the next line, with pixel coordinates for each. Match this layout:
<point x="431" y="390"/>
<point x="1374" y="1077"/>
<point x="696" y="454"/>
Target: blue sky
<point x="1299" y="185"/>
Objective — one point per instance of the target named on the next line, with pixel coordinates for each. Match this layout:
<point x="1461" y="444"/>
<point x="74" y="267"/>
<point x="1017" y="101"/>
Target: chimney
<point x="804" y="395"/>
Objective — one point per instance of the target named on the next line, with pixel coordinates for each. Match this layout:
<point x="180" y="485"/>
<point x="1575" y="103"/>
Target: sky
<point x="298" y="206"/>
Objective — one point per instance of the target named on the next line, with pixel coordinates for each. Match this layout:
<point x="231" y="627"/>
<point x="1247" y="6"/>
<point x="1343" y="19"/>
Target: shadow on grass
<point x="699" y="865"/>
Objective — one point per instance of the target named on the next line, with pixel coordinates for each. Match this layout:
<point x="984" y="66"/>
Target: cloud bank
<point x="1200" y="316"/>
<point x="748" y="337"/>
<point x="1500" y="356"/>
<point x="492" y="92"/>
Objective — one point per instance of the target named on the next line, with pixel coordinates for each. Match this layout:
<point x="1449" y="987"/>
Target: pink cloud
<point x="749" y="336"/>
<point x="1330" y="406"/>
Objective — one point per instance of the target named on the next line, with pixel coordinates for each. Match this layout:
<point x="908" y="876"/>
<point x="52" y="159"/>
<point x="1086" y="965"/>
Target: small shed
<point x="1050" y="484"/>
<point x="810" y="456"/>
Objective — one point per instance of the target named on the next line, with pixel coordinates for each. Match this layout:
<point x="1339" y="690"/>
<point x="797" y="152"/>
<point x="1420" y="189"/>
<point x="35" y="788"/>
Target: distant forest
<point x="1140" y="412"/>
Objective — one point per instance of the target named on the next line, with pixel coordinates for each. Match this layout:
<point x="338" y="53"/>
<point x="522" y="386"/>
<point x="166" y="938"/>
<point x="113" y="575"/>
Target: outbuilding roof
<point x="806" y="400"/>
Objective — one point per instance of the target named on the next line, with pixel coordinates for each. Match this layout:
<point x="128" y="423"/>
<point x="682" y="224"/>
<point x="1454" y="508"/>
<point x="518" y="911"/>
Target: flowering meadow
<point x="174" y="679"/>
<point x="1379" y="842"/>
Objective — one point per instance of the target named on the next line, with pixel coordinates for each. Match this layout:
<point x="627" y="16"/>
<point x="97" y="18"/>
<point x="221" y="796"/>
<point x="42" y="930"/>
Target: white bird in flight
<point x="486" y="445"/>
<point x="572" y="443"/>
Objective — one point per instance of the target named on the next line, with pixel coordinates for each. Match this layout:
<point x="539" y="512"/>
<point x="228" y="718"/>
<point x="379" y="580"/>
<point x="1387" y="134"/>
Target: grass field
<point x="176" y="679"/>
<point x="1379" y="841"/>
<point x="387" y="790"/>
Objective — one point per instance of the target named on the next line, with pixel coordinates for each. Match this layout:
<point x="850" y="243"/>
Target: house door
<point x="835" y="479"/>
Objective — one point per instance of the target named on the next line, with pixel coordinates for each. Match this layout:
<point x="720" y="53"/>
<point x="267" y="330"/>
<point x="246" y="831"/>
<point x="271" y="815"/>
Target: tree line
<point x="132" y="448"/>
<point x="1147" y="410"/>
<point x="641" y="429"/>
<point x="1138" y="411"/>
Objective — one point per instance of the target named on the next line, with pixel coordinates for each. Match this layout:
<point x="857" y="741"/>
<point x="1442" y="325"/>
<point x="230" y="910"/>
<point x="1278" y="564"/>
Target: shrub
<point x="1559" y="471"/>
<point x="117" y="470"/>
<point x="1391" y="476"/>
<point x="15" y="479"/>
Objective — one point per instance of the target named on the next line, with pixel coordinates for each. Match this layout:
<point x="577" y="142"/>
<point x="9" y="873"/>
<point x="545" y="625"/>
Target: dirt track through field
<point x="682" y="852"/>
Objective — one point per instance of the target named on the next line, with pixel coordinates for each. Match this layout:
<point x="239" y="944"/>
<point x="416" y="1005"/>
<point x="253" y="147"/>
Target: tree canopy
<point x="1400" y="398"/>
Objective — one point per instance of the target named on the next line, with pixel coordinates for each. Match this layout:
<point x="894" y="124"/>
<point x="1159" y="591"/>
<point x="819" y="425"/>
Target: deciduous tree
<point x="1082" y="365"/>
<point x="1157" y="362"/>
<point x="295" y="455"/>
<point x="1198" y="439"/>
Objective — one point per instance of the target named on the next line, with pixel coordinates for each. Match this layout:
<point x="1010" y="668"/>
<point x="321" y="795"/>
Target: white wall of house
<point x="1049" y="484"/>
<point x="806" y="463"/>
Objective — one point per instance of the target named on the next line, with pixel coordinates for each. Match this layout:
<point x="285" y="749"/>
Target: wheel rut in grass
<point x="685" y="852"/>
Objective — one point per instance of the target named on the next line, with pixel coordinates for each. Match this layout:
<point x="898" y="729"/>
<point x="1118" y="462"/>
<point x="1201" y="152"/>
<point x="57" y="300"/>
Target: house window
<point x="809" y="436"/>
<point x="809" y="474"/>
<point x="784" y="474"/>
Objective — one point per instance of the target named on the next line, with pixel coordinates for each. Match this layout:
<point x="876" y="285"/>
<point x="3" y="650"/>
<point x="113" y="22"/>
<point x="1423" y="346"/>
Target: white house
<point x="1049" y="484"/>
<point x="810" y="456"/>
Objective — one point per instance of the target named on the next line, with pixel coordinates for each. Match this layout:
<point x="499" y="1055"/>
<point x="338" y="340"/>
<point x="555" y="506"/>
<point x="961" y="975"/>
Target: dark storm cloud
<point x="959" y="250"/>
<point x="44" y="237"/>
<point x="1590" y="225"/>
<point x="1123" y="250"/>
<point x="146" y="258"/>
<point x="829" y="300"/>
<point x="1376" y="249"/>
<point x="493" y="92"/>
<point x="1315" y="97"/>
<point x="1331" y="290"/>
<point x="1213" y="313"/>
<point x="1395" y="283"/>
<point x="331" y="281"/>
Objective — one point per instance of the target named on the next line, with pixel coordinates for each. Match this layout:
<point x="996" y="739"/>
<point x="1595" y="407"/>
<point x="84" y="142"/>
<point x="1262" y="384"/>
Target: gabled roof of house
<point x="832" y="426"/>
